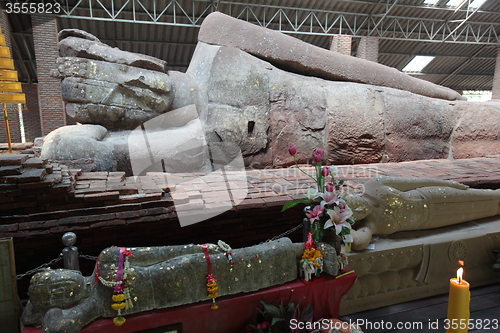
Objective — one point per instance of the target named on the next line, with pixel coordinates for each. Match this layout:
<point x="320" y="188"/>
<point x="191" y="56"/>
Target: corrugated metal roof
<point x="455" y="66"/>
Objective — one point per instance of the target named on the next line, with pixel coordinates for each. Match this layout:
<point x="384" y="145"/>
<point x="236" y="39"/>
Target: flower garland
<point x="312" y="259"/>
<point x="211" y="280"/>
<point x="224" y="246"/>
<point x="121" y="294"/>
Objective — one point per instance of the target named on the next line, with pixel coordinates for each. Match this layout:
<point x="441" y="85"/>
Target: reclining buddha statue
<point x="159" y="277"/>
<point x="391" y="204"/>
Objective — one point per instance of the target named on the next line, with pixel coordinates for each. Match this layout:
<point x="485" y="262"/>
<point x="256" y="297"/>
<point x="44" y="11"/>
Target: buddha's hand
<point x="55" y="321"/>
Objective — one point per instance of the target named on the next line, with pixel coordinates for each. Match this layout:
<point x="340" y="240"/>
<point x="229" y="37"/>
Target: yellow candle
<point x="458" y="305"/>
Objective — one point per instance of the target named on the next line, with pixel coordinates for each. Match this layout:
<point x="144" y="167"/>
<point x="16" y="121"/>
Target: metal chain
<point x="86" y="256"/>
<point x="34" y="270"/>
<point x="286" y="233"/>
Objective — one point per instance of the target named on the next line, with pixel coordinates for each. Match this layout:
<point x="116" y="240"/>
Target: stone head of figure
<point x="61" y="288"/>
<point x="359" y="206"/>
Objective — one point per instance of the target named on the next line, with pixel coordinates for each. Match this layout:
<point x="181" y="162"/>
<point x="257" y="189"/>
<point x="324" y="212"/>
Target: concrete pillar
<point x="12" y="111"/>
<point x="52" y="114"/>
<point x="496" y="78"/>
<point x="341" y="44"/>
<point x="368" y="48"/>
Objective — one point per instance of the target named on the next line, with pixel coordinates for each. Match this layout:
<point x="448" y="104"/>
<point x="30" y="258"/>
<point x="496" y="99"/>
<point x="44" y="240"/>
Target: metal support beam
<point x="291" y="20"/>
<point x="462" y="66"/>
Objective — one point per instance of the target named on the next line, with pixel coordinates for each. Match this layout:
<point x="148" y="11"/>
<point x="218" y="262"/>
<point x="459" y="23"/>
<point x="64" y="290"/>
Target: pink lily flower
<point x="315" y="213"/>
<point x="329" y="198"/>
<point x="338" y="218"/>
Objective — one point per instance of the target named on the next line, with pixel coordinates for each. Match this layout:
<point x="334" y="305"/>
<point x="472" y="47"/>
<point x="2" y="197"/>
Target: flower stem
<point x="321" y="180"/>
<point x="305" y="173"/>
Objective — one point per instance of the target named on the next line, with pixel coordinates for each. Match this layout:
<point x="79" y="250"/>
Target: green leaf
<point x="291" y="204"/>
<point x="282" y="311"/>
<point x="290" y="312"/>
<point x="345" y="231"/>
<point x="271" y="310"/>
<point x="276" y="320"/>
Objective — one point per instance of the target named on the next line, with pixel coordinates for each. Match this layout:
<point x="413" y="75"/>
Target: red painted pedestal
<point x="234" y="312"/>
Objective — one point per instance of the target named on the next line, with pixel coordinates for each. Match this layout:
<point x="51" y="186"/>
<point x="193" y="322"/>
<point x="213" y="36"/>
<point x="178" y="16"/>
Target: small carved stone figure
<point x="159" y="277"/>
<point x="391" y="204"/>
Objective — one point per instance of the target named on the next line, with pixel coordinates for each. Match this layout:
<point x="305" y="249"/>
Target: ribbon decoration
<point x="211" y="280"/>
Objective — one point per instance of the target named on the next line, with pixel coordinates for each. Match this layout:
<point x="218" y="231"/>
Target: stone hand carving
<point x="116" y="96"/>
<point x="391" y="204"/>
<point x="160" y="277"/>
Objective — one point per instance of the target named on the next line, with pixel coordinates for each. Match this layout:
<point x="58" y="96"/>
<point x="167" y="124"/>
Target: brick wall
<point x="341" y="44"/>
<point x="13" y="115"/>
<point x="496" y="78"/>
<point x="49" y="89"/>
<point x="14" y="126"/>
<point x="31" y="113"/>
<point x="368" y="48"/>
<point x="4" y="24"/>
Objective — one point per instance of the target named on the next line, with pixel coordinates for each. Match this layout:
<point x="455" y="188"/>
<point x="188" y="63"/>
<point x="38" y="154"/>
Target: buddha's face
<point x="60" y="288"/>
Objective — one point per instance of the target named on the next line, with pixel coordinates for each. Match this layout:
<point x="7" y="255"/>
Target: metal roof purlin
<point x="294" y="19"/>
<point x="463" y="22"/>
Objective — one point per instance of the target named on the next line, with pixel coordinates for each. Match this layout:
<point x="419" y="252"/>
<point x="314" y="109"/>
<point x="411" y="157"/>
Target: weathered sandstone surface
<point x="262" y="99"/>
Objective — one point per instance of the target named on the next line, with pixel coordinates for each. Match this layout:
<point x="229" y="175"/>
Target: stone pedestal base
<point x="418" y="264"/>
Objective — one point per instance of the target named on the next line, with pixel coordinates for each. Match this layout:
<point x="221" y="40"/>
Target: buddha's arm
<point x="147" y="256"/>
<point x="406" y="184"/>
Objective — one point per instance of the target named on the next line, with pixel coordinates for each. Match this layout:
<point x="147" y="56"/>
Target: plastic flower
<point x="118" y="297"/>
<point x="118" y="306"/>
<point x="263" y="325"/>
<point x="292" y="150"/>
<point x="119" y="321"/>
<point x="330" y="198"/>
<point x="338" y="217"/>
<point x="325" y="171"/>
<point x="312" y="194"/>
<point x="317" y="157"/>
<point x="333" y="170"/>
<point x="315" y="213"/>
<point x="118" y="289"/>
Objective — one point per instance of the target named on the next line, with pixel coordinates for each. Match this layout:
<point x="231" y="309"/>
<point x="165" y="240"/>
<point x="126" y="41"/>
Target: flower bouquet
<point x="327" y="206"/>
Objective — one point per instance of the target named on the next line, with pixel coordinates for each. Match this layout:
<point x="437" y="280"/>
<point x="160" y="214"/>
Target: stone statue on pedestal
<point x="159" y="277"/>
